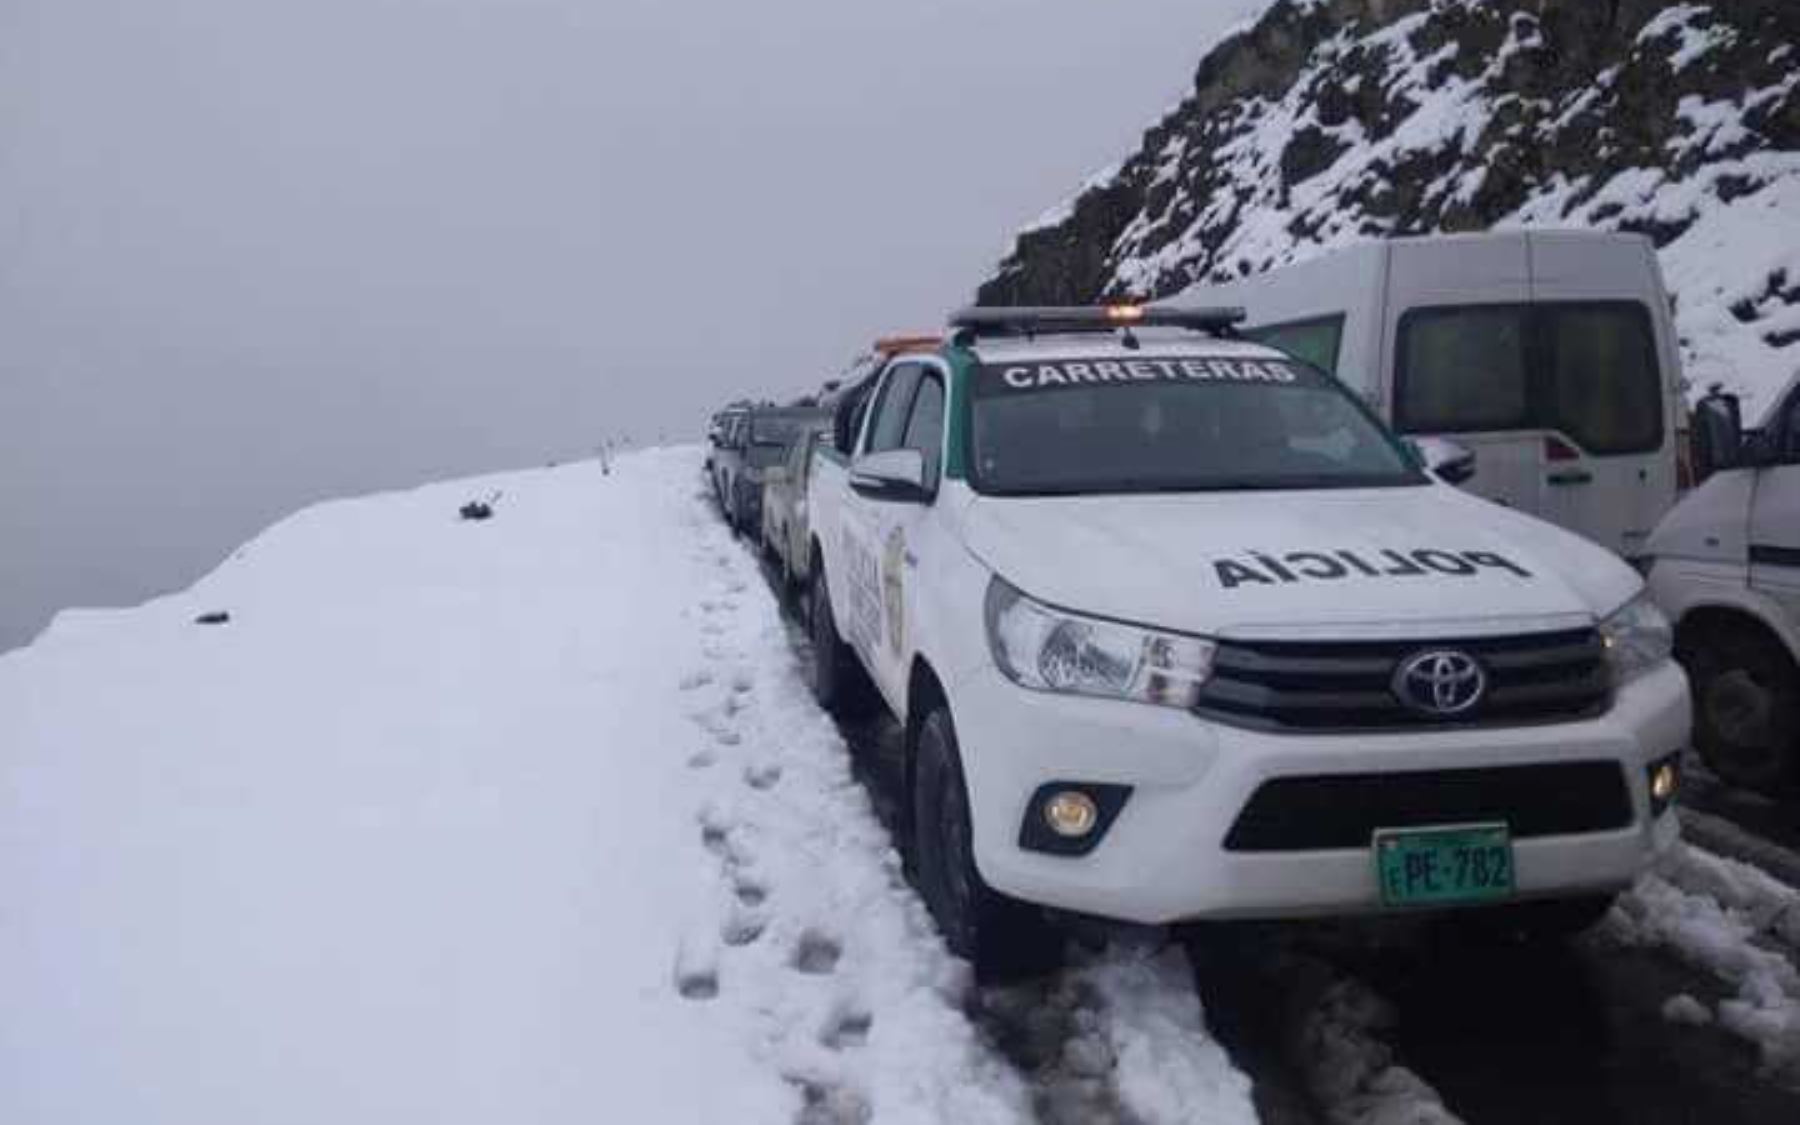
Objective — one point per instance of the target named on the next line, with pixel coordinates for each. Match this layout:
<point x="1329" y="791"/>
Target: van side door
<point x="1561" y="402"/>
<point x="1775" y="513"/>
<point x="1458" y="363"/>
<point x="1609" y="385"/>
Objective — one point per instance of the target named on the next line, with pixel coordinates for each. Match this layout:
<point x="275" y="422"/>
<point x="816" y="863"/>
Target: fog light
<point x="1665" y="779"/>
<point x="1662" y="783"/>
<point x="1071" y="813"/>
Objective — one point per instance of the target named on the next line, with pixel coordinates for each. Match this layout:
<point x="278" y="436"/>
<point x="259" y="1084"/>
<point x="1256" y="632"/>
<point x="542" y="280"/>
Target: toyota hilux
<point x="1177" y="630"/>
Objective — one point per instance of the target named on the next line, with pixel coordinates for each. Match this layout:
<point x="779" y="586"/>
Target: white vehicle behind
<point x="1550" y="354"/>
<point x="1178" y="630"/>
<point x="1727" y="569"/>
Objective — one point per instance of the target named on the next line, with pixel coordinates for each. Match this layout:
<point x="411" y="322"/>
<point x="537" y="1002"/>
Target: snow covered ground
<point x="527" y="819"/>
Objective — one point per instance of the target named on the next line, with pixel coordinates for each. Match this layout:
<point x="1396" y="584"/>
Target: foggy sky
<point x="257" y="253"/>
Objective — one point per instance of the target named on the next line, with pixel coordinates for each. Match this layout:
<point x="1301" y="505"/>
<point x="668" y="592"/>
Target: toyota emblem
<point x="1440" y="682"/>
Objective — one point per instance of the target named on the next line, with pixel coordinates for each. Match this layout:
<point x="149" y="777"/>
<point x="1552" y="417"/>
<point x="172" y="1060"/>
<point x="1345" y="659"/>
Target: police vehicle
<point x="1177" y="629"/>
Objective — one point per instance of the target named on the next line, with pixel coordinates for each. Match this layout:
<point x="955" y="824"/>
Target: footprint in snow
<point x="697" y="986"/>
<point x="749" y="892"/>
<point x="696" y="970"/>
<point x="702" y="759"/>
<point x="742" y="927"/>
<point x="817" y="954"/>
<point x="761" y="777"/>
<point x="696" y="680"/>
<point x="826" y="1104"/>
<point x="848" y="1027"/>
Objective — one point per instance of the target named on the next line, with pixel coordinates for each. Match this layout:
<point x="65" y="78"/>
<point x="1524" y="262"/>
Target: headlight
<point x="1637" y="637"/>
<point x="1052" y="650"/>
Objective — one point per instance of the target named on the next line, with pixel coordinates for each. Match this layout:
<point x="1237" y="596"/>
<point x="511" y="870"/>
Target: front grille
<point x="1344" y="810"/>
<point x="1348" y="685"/>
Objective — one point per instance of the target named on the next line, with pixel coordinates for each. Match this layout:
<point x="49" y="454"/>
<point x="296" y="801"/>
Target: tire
<point x="1549" y="922"/>
<point x="1746" y="708"/>
<point x="839" y="682"/>
<point x="1003" y="938"/>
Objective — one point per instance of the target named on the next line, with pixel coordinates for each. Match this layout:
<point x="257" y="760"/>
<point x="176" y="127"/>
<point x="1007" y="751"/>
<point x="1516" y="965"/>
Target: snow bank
<point x="1737" y="923"/>
<point x="528" y="819"/>
<point x="418" y="835"/>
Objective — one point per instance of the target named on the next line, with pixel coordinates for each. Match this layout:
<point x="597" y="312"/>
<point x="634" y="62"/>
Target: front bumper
<point x="1164" y="858"/>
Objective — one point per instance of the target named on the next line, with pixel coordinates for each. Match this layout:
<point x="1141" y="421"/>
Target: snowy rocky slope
<point x="523" y="819"/>
<point x="1331" y="121"/>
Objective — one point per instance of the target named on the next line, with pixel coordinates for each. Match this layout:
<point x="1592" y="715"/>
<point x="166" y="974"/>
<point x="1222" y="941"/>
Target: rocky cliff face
<point x="1332" y="121"/>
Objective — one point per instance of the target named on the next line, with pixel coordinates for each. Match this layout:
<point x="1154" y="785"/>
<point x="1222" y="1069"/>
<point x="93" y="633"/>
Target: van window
<point x="1462" y="369"/>
<point x="1789" y="431"/>
<point x="1316" y="340"/>
<point x="1603" y="389"/>
<point x="1585" y="369"/>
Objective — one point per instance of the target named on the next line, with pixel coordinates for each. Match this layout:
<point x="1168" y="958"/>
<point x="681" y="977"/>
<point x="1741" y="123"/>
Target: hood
<point x="1392" y="561"/>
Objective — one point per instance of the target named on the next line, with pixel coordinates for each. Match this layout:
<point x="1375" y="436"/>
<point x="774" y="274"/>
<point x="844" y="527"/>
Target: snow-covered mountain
<point x="1325" y="122"/>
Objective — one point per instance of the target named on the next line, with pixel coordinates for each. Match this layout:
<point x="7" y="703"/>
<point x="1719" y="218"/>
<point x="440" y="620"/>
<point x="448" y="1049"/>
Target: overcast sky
<point x="258" y="252"/>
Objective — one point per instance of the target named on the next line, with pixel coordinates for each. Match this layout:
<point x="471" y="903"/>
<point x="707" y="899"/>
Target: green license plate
<point x="1439" y="866"/>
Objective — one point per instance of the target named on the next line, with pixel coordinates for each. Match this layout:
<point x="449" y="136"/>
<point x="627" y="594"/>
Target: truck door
<point x="862" y="524"/>
<point x="1775" y="514"/>
<point x="905" y="539"/>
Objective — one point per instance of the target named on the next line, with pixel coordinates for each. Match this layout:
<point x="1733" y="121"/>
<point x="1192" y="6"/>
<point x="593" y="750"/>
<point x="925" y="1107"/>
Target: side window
<point x="887" y="418"/>
<point x="925" y="428"/>
<point x="1790" y="431"/>
<point x="1462" y="369"/>
<point x="1586" y="369"/>
<point x="1316" y="341"/>
<point x="1603" y="388"/>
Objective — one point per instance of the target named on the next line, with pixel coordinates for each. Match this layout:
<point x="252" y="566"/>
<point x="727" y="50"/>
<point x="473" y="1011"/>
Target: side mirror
<point x="1718" y="434"/>
<point x="1444" y="459"/>
<point x="892" y="474"/>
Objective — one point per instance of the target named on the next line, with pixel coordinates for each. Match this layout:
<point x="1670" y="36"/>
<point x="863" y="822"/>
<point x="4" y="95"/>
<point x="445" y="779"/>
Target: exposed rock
<point x="1329" y="121"/>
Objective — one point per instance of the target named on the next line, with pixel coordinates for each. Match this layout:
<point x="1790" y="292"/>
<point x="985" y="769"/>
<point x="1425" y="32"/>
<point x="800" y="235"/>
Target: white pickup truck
<point x="1177" y="629"/>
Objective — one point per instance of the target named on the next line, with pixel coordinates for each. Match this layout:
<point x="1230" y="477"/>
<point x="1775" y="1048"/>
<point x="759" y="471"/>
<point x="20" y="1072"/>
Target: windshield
<point x="1188" y="423"/>
<point x="775" y="429"/>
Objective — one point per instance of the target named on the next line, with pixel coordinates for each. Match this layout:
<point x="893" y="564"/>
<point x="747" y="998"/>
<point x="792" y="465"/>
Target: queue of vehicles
<point x="1177" y="627"/>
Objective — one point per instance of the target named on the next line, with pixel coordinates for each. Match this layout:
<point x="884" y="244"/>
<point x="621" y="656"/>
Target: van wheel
<point x="1549" y="922"/>
<point x="838" y="680"/>
<point x="1003" y="938"/>
<point x="1746" y="709"/>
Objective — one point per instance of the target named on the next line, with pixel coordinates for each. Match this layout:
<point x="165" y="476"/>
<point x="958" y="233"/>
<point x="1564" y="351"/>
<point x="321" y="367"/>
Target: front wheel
<point x="1003" y="938"/>
<point x="1746" y="709"/>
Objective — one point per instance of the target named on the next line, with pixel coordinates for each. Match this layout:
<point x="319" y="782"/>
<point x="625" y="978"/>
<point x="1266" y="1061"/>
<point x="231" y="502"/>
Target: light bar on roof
<point x="981" y="320"/>
<point x="916" y="342"/>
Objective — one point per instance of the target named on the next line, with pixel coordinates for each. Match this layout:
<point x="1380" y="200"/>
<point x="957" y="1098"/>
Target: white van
<point x="1549" y="354"/>
<point x="1727" y="570"/>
